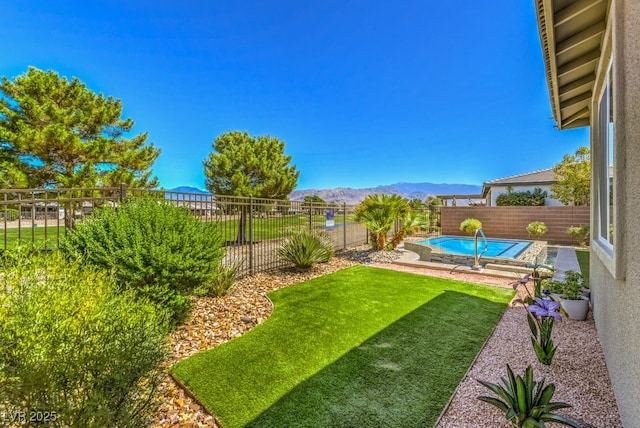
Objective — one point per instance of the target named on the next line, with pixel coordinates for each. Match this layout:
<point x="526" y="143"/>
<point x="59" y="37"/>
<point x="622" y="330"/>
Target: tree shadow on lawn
<point x="402" y="376"/>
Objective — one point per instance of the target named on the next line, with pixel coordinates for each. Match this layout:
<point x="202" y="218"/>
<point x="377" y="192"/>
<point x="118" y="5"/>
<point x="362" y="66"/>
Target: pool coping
<point x="428" y="253"/>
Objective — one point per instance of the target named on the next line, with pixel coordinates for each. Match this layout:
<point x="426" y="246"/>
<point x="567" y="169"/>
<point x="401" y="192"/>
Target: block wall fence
<point x="511" y="222"/>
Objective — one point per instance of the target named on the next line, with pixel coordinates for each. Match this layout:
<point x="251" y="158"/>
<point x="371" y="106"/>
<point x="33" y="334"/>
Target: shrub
<point x="522" y="199"/>
<point x="75" y="347"/>
<point x="579" y="233"/>
<point x="536" y="228"/>
<point x="304" y="248"/>
<point x="470" y="225"/>
<point x="223" y="282"/>
<point x="156" y="249"/>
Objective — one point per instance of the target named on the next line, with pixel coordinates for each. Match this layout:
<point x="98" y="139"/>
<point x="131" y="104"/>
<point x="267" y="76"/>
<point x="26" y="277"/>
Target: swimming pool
<point x="507" y="248"/>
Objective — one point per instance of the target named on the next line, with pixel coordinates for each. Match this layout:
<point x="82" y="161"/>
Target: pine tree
<point x="242" y="165"/>
<point x="58" y="133"/>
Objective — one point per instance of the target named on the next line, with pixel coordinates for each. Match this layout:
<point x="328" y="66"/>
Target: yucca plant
<point x="304" y="248"/>
<point x="525" y="402"/>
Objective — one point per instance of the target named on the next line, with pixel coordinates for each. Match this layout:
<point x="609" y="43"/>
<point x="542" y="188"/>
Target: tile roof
<point x="543" y="176"/>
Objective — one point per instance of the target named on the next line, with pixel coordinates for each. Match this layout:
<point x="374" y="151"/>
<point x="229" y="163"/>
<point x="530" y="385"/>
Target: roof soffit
<point x="571" y="33"/>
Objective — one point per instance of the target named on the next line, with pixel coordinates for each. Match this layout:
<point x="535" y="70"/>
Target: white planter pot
<point x="556" y="297"/>
<point x="576" y="309"/>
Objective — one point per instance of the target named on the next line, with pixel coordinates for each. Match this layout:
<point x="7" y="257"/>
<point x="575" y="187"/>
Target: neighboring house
<point x="542" y="179"/>
<point x="591" y="50"/>
<point x="461" y="200"/>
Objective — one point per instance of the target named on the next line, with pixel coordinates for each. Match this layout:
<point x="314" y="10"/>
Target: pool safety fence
<point x="252" y="228"/>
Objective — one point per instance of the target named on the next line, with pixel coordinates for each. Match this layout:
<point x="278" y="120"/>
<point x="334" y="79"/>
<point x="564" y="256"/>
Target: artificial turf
<point x="360" y="347"/>
<point x="583" y="261"/>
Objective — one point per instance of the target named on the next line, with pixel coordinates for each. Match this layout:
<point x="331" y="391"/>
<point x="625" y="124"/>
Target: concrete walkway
<point x="566" y="260"/>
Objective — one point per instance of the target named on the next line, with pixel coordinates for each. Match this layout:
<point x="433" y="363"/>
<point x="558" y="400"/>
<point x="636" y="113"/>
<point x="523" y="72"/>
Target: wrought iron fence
<point x="252" y="228"/>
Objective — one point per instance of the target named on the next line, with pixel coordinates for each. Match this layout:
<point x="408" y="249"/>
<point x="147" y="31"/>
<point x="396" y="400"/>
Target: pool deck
<point x="566" y="260"/>
<point x="433" y="254"/>
<point x="409" y="258"/>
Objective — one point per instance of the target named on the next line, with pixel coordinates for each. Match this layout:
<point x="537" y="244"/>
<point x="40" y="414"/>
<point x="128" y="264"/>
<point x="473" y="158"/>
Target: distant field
<point x="263" y="228"/>
<point x="27" y="235"/>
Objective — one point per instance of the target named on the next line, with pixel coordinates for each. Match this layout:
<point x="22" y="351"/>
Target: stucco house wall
<point x="615" y="268"/>
<point x="616" y="284"/>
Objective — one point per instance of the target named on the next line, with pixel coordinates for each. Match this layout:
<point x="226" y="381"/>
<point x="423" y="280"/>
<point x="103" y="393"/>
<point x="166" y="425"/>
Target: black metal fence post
<point x="251" y="267"/>
<point x="123" y="192"/>
<point x="344" y="225"/>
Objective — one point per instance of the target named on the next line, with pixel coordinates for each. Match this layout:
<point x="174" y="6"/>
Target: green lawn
<point x="26" y="235"/>
<point x="272" y="227"/>
<point x="583" y="261"/>
<point x="360" y="347"/>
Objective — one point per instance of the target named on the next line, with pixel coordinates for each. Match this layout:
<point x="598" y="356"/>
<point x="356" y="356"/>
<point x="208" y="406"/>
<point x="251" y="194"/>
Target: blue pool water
<point x="463" y="245"/>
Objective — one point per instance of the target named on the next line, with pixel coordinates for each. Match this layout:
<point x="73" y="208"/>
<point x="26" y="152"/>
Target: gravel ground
<point x="578" y="371"/>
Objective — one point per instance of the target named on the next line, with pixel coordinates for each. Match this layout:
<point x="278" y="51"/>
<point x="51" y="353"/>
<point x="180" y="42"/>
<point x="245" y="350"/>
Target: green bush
<point x="579" y="233"/>
<point x="305" y="248"/>
<point x="156" y="249"/>
<point x="522" y="199"/>
<point x="470" y="225"/>
<point x="536" y="228"/>
<point x="75" y="347"/>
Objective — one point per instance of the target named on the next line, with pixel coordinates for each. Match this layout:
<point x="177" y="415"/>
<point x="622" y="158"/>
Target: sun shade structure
<point x="571" y="33"/>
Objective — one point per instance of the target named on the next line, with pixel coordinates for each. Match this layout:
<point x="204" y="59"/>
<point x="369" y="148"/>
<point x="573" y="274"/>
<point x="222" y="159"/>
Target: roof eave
<point x="544" y="10"/>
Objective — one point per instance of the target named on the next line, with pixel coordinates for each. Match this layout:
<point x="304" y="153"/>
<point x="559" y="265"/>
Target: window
<point x="605" y="167"/>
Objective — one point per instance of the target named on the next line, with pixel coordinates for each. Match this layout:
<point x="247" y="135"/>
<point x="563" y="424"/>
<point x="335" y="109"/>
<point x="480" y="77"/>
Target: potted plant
<point x="569" y="292"/>
<point x="553" y="289"/>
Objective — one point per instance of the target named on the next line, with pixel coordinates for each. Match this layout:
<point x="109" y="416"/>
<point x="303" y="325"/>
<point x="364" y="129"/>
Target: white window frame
<point x="604" y="212"/>
<point x="603" y="246"/>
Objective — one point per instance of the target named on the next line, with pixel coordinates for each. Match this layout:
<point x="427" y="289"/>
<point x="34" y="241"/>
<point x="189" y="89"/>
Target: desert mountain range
<point x="354" y="196"/>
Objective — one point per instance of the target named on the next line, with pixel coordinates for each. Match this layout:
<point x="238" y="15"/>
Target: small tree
<point x="573" y="178"/>
<point x="536" y="229"/>
<point x="579" y="233"/>
<point x="379" y="213"/>
<point x="242" y="165"/>
<point x="314" y="201"/>
<point x="470" y="225"/>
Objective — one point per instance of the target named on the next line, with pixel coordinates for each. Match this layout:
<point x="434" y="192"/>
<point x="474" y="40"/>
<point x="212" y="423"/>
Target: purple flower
<point x="521" y="281"/>
<point x="545" y="308"/>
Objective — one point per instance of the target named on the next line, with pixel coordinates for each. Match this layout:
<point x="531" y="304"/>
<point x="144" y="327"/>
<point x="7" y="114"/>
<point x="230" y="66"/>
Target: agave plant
<point x="525" y="402"/>
<point x="304" y="248"/>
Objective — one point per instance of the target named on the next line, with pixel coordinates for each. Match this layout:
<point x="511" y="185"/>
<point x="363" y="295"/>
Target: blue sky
<point x="363" y="92"/>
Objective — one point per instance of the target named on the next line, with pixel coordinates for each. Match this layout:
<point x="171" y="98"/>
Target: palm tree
<point x="379" y="212"/>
